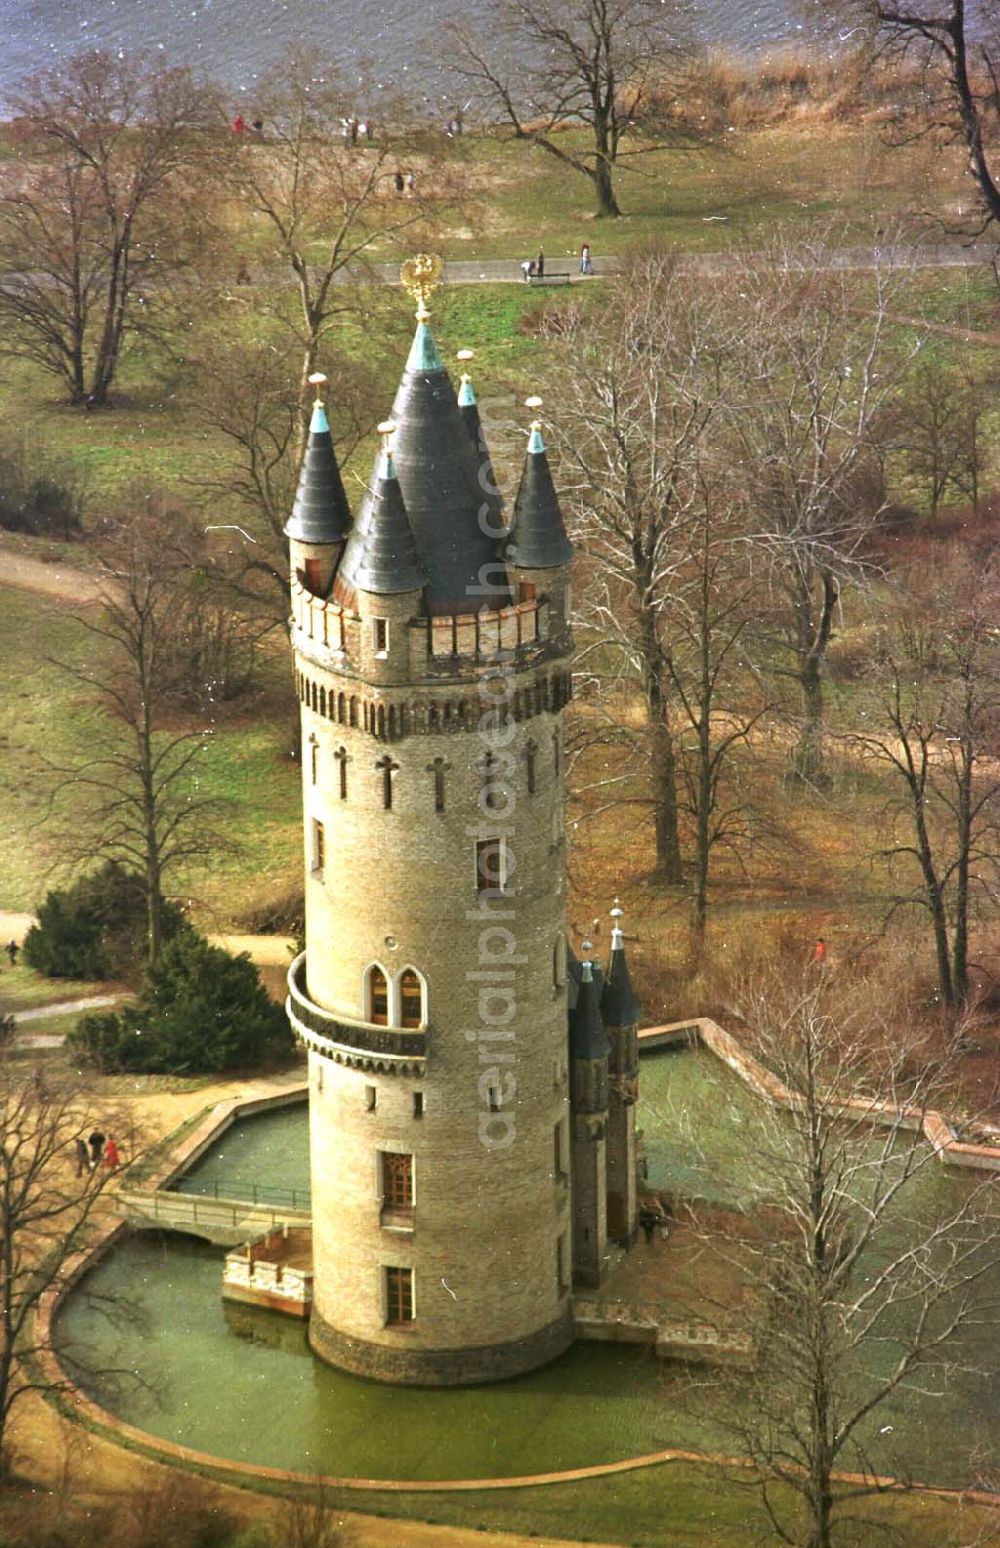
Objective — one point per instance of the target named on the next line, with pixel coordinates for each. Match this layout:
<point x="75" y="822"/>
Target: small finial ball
<point x="466" y="354"/>
<point x="533" y="402"/>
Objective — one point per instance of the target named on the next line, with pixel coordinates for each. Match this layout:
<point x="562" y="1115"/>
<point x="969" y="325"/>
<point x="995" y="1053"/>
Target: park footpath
<point x="502" y="271"/>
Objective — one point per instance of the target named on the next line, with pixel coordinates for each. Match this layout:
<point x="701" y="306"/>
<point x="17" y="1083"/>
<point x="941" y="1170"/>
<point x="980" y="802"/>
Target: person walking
<point x="586" y="267"/>
<point x="540" y="264"/>
<point x="112" y="1160"/>
<point x="411" y="181"/>
<point x="12" y="949"/>
<point x="528" y="269"/>
<point x="96" y="1141"/>
<point x="400" y="183"/>
<point x="819" y="952"/>
<point x="82" y="1156"/>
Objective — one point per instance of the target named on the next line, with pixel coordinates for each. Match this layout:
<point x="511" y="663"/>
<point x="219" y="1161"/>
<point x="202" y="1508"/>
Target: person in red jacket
<point x="112" y="1160"/>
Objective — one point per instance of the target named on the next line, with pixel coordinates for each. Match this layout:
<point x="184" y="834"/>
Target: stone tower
<point x="432" y="666"/>
<point x="588" y="1084"/>
<point x="620" y="1014"/>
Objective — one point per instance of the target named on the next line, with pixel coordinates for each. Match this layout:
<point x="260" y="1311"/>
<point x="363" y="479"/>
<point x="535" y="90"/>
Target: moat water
<point x="243" y="1385"/>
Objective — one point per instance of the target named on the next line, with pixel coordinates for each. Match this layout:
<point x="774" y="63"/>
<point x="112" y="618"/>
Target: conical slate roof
<point x="381" y="556"/>
<point x="320" y="513"/>
<point x="619" y="1005"/>
<point x="490" y="494"/>
<point x="538" y="538"/>
<point x="439" y="476"/>
<point x="587" y="1037"/>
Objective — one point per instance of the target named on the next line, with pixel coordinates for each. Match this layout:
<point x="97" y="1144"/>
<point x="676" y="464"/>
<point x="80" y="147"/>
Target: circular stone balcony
<point x="360" y="1044"/>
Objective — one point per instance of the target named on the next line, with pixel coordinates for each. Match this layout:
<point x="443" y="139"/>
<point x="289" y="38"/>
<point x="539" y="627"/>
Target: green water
<point x="242" y="1384"/>
<point x="268" y="1153"/>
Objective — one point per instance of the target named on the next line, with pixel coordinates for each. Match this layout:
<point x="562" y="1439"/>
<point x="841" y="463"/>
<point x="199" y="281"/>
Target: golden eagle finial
<point x="421" y="275"/>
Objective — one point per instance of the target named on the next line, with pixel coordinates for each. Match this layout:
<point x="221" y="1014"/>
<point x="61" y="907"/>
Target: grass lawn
<point x="43" y="717"/>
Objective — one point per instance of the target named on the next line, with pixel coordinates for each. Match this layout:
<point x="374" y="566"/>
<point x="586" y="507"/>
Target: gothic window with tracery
<point x="378" y="997"/>
<point x="411" y="998"/>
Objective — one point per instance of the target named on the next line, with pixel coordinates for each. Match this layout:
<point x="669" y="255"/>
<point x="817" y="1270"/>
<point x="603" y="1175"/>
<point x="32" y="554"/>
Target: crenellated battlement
<point x="457" y="642"/>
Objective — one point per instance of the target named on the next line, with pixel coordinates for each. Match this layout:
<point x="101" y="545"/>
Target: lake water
<point x="233" y="40"/>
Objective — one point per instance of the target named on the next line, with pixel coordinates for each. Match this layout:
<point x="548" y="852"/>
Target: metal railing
<point x="180" y="1209"/>
<point x="240" y="1188"/>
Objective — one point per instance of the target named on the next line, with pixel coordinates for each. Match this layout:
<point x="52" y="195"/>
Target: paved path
<point x="938" y="255"/>
<point x="67" y="1007"/>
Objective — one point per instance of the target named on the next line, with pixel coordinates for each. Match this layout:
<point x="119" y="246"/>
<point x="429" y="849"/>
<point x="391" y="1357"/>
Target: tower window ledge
<point x="398" y="1221"/>
<point x="343" y="1037"/>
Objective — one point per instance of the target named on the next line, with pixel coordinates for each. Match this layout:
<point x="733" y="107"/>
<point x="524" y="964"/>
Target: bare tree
<point x="863" y="1278"/>
<point x="325" y="204"/>
<point x="956" y="47"/>
<point x="102" y="214"/>
<point x="822" y="370"/>
<point x="137" y="796"/>
<point x="940" y="432"/>
<point x="938" y="735"/>
<point x="720" y="697"/>
<point x="599" y="63"/>
<point x="250" y="396"/>
<point x="50" y="1203"/>
<point x="639" y="389"/>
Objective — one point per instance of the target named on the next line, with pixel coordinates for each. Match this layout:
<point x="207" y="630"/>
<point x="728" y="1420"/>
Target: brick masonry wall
<point x="398" y="888"/>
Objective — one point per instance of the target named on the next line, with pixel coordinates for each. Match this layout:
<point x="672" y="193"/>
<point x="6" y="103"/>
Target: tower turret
<point x="321" y="517"/>
<point x="431" y="996"/>
<point x="380" y="576"/>
<point x="538" y="551"/>
<point x="620" y="1012"/>
<point x="588" y="1064"/>
<point x="489" y="491"/>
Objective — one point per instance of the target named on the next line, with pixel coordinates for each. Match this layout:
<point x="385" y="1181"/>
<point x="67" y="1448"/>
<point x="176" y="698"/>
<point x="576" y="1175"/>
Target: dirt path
<point x="48" y="578"/>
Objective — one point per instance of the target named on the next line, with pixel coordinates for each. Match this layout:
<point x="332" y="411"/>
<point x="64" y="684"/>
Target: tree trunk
<point x="935" y="902"/>
<point x="662" y="758"/>
<point x="668" y="848"/>
<point x="960" y="944"/>
<point x="809" y="752"/>
<point x="607" y="204"/>
<point x="809" y="759"/>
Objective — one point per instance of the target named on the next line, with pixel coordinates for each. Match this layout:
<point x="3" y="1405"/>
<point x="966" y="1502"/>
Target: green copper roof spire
<point x="538" y="538"/>
<point x="587" y="1036"/>
<point x="442" y="474"/>
<point x="493" y="519"/>
<point x="424" y="354"/>
<point x="381" y="556"/>
<point x="320" y="513"/>
<point x="619" y="1004"/>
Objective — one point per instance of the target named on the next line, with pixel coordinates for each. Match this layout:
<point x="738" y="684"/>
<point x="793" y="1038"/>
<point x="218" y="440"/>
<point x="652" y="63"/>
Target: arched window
<point x="377" y="997"/>
<point x="322" y="702"/>
<point x="411" y="998"/>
